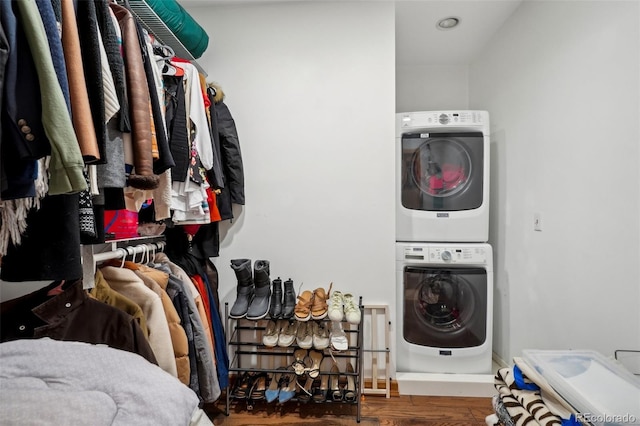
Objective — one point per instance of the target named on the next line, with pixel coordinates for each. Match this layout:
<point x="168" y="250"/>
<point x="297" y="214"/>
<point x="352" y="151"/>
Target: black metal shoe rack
<point x="247" y="351"/>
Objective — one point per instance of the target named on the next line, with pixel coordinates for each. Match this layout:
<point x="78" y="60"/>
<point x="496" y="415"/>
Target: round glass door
<point x="444" y="303"/>
<point x="441" y="167"/>
<point x="442" y="171"/>
<point x="445" y="308"/>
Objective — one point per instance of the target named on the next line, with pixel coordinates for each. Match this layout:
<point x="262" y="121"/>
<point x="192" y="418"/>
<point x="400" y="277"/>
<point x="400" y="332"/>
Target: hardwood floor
<point x="376" y="410"/>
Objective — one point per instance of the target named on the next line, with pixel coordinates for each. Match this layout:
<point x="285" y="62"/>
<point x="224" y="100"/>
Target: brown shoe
<point x="319" y="307"/>
<point x="303" y="307"/>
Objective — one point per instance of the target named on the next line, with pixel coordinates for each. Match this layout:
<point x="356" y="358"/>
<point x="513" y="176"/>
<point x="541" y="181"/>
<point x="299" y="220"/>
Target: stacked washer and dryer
<point x="444" y="265"/>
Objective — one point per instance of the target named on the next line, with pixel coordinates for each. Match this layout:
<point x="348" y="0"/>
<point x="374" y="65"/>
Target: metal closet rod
<point x="122" y="252"/>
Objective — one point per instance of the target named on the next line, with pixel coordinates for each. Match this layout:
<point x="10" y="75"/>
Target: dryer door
<point x="442" y="171"/>
<point x="445" y="307"/>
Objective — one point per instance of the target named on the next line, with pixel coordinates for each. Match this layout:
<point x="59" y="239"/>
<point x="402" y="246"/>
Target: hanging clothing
<point x="90" y="51"/>
<point x="209" y="387"/>
<point x="83" y="122"/>
<point x="157" y="281"/>
<point x="21" y="108"/>
<point x="176" y="117"/>
<point x="4" y="55"/>
<point x="192" y="266"/>
<point x="127" y="283"/>
<point x="112" y="43"/>
<point x="50" y="247"/>
<point x="138" y="95"/>
<point x="102" y="292"/>
<point x="154" y="81"/>
<point x="175" y="292"/>
<point x="230" y="155"/>
<point x="71" y="315"/>
<point x="55" y="44"/>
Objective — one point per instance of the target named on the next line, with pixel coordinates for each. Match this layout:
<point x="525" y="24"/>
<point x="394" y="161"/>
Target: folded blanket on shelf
<point x="183" y="26"/>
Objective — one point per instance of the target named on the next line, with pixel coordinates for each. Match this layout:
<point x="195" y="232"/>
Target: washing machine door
<point x="445" y="307"/>
<point x="442" y="171"/>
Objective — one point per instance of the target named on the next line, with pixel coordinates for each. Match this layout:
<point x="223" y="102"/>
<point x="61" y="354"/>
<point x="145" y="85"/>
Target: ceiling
<point x="418" y="41"/>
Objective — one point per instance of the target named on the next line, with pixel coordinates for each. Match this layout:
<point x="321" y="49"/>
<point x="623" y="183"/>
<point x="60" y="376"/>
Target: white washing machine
<point x="442" y="176"/>
<point x="444" y="312"/>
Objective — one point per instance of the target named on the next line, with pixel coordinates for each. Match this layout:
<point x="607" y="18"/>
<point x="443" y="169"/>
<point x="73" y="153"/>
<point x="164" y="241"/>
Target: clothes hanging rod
<point x="123" y="252"/>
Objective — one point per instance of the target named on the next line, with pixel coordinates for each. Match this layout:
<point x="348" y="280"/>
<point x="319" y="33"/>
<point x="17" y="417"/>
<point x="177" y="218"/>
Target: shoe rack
<point x="260" y="371"/>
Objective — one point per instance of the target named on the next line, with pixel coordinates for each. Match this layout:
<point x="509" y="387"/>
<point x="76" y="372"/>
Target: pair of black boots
<point x="253" y="294"/>
<point x="282" y="305"/>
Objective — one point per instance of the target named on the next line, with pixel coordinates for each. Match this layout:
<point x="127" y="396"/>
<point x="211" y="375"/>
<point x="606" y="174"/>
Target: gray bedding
<point x="50" y="382"/>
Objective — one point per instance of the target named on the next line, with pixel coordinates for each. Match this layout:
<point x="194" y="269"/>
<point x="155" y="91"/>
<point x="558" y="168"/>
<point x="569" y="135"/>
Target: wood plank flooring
<point x="376" y="410"/>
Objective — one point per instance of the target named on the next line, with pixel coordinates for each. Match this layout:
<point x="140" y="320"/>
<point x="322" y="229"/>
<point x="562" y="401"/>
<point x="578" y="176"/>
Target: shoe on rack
<point x="287" y="387"/>
<point x="245" y="290"/>
<point x="319" y="306"/>
<point x="350" y="388"/>
<point x="288" y="333"/>
<point x="275" y="310"/>
<point x="271" y="334"/>
<point x="303" y="307"/>
<point x="320" y="336"/>
<point x="304" y="337"/>
<point x="334" y="384"/>
<point x="320" y="393"/>
<point x="305" y="393"/>
<point x="339" y="341"/>
<point x="335" y="310"/>
<point x="258" y="387"/>
<point x="288" y="299"/>
<point x="259" y="306"/>
<point x="300" y="360"/>
<point x="242" y="385"/>
<point x="316" y="359"/>
<point x="351" y="309"/>
<point x="271" y="394"/>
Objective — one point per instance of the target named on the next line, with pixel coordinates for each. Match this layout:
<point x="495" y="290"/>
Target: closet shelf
<point x="125" y="242"/>
<point x="152" y="23"/>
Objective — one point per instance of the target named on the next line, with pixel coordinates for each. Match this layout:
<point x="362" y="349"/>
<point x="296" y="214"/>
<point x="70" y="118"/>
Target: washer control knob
<point x="446" y="256"/>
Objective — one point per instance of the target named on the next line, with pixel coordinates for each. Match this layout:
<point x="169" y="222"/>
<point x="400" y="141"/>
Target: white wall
<point x="432" y="87"/>
<point x="561" y="82"/>
<point x="311" y="88"/>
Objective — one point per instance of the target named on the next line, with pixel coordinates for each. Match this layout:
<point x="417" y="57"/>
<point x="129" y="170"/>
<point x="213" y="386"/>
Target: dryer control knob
<point x="446" y="255"/>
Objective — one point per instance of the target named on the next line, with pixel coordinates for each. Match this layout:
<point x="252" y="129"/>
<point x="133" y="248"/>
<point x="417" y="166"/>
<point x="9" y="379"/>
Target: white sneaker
<point x="351" y="309"/>
<point x="336" y="312"/>
<point x="339" y="341"/>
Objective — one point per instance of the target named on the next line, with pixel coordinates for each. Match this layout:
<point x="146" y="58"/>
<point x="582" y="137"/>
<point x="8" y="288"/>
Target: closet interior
<point x="119" y="159"/>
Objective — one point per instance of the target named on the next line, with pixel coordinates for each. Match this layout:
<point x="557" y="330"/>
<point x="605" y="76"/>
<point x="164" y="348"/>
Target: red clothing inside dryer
<point x="450" y="178"/>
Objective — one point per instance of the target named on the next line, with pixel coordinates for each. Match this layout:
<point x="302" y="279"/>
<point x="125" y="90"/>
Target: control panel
<point x="443" y="118"/>
<point x="446" y="255"/>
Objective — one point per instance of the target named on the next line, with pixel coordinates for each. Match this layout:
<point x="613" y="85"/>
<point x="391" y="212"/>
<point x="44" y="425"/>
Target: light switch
<point x="537" y="221"/>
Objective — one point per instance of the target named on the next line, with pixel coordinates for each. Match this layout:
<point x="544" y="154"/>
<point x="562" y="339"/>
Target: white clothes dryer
<point x="444" y="308"/>
<point x="442" y="176"/>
